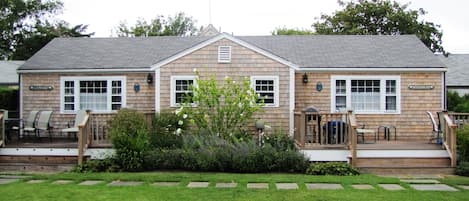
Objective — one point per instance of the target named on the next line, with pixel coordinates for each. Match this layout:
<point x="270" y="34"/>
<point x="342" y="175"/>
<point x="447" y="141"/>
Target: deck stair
<point x="37" y="159"/>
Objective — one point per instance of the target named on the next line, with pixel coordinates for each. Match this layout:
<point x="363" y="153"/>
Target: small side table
<point x="361" y="133"/>
<point x="387" y="132"/>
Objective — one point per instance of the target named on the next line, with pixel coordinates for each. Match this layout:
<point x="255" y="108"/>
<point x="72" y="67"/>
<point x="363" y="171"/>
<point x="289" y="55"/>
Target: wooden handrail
<point x="450" y="138"/>
<point x="83" y="133"/>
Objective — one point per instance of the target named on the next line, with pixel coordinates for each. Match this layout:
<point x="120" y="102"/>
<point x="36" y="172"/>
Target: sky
<point x="253" y="17"/>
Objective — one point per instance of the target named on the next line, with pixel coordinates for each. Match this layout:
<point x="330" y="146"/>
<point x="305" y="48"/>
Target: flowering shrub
<point x="223" y="110"/>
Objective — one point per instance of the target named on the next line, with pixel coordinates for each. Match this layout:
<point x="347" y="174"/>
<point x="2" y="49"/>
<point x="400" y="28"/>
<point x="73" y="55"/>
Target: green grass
<point x="48" y="191"/>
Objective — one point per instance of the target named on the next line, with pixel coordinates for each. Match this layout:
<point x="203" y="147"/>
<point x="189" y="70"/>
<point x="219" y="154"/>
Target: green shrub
<point x="167" y="130"/>
<point x="101" y="165"/>
<point x="280" y="140"/>
<point x="463" y="169"/>
<point x="332" y="168"/>
<point x="130" y="137"/>
<point x="211" y="153"/>
<point x="8" y="98"/>
<point x="463" y="143"/>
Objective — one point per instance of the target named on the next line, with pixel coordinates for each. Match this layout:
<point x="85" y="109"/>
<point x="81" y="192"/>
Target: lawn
<point x="48" y="191"/>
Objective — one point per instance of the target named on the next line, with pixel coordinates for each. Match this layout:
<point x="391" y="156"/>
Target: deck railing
<point x="460" y="119"/>
<point x="84" y="131"/>
<point x="352" y="130"/>
<point x="2" y="128"/>
<point x="314" y="129"/>
<point x="449" y="137"/>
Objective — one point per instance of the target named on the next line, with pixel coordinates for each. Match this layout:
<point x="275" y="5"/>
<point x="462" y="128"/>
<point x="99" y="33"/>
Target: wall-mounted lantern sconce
<point x="305" y="78"/>
<point x="149" y="78"/>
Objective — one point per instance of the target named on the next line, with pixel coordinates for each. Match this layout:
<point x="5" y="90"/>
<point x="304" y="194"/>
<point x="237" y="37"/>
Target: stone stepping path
<point x="90" y="182"/>
<point x="36" y="181"/>
<point x="226" y="185"/>
<point x="465" y="187"/>
<point x="391" y="187"/>
<point x="166" y="183"/>
<point x="198" y="184"/>
<point x="363" y="187"/>
<point x="125" y="183"/>
<point x="286" y="186"/>
<point x="420" y="181"/>
<point x="432" y="187"/>
<point x="62" y="182"/>
<point x="258" y="185"/>
<point x="7" y="181"/>
<point x="323" y="186"/>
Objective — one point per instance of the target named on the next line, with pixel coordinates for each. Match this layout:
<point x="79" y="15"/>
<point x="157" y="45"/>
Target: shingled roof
<point x="458" y="69"/>
<point x="316" y="51"/>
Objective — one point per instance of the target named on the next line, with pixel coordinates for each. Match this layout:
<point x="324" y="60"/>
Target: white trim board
<point x="402" y="153"/>
<point x="327" y="155"/>
<point x="97" y="70"/>
<point x="93" y="153"/>
<point x="368" y="70"/>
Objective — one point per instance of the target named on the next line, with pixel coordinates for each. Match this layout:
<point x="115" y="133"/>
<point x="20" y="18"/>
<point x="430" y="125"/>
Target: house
<point x="458" y="72"/>
<point x="8" y="74"/>
<point x="388" y="81"/>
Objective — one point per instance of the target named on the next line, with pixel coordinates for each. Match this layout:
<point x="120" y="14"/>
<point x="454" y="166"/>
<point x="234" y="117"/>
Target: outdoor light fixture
<point x="305" y="78"/>
<point x="149" y="78"/>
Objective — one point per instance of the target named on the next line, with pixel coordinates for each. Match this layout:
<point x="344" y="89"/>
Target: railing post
<point x="2" y="124"/>
<point x="83" y="130"/>
<point x="352" y="137"/>
<point x="302" y="129"/>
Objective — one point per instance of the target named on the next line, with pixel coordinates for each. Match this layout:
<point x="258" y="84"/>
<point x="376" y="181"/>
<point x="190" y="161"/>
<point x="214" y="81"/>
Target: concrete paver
<point x="286" y="186"/>
<point x="125" y="183"/>
<point x="258" y="185"/>
<point x="391" y="187"/>
<point x="226" y="185"/>
<point x="323" y="186"/>
<point x="7" y="181"/>
<point x="432" y="187"/>
<point x="465" y="187"/>
<point x="61" y="182"/>
<point x="420" y="181"/>
<point x="36" y="181"/>
<point x="363" y="186"/>
<point x="166" y="183"/>
<point x="199" y="184"/>
<point x="90" y="182"/>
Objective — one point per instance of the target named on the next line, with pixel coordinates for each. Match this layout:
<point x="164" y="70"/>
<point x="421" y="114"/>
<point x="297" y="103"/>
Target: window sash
<point x="366" y="94"/>
<point x="181" y="88"/>
<point x="267" y="88"/>
<point x="96" y="93"/>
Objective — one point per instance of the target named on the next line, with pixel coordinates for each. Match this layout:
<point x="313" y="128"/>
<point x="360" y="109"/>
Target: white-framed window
<point x="366" y="94"/>
<point x="267" y="87"/>
<point x="96" y="93"/>
<point x="181" y="88"/>
<point x="224" y="54"/>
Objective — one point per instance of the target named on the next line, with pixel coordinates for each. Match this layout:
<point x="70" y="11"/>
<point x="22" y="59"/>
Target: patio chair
<point x="43" y="124"/>
<point x="436" y="131"/>
<point x="79" y="118"/>
<point x="28" y="125"/>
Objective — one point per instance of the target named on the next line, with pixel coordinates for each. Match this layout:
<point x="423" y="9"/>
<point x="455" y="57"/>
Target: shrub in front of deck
<point x="224" y="109"/>
<point x="332" y="168"/>
<point x="167" y="130"/>
<point x="463" y="169"/>
<point x="462" y="140"/>
<point x="130" y="137"/>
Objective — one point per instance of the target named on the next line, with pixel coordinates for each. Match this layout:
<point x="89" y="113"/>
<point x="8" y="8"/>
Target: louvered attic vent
<point x="224" y="54"/>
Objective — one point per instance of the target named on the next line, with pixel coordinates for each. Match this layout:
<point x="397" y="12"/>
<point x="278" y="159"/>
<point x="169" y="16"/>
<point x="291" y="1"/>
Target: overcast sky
<point x="254" y="17"/>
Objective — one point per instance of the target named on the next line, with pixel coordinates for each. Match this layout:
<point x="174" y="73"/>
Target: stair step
<point x="38" y="159"/>
<point x="34" y="167"/>
<point x="408" y="170"/>
<point x="387" y="162"/>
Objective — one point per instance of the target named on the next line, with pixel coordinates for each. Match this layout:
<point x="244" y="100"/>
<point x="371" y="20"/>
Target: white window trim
<point x="382" y="79"/>
<point x="228" y="60"/>
<point x="173" y="87"/>
<point x="276" y="88"/>
<point x="76" y="79"/>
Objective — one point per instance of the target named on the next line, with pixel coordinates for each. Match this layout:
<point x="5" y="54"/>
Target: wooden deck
<point x="379" y="145"/>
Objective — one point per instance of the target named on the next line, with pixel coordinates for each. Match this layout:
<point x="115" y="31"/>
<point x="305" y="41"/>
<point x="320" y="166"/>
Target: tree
<point x="33" y="41"/>
<point x="295" y="31"/>
<point x="179" y="25"/>
<point x="380" y="17"/>
<point x="20" y="16"/>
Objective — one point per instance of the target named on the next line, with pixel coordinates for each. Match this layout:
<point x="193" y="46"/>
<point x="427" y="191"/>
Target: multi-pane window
<point x="267" y="89"/>
<point x="181" y="89"/>
<point x="366" y="94"/>
<point x="99" y="94"/>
